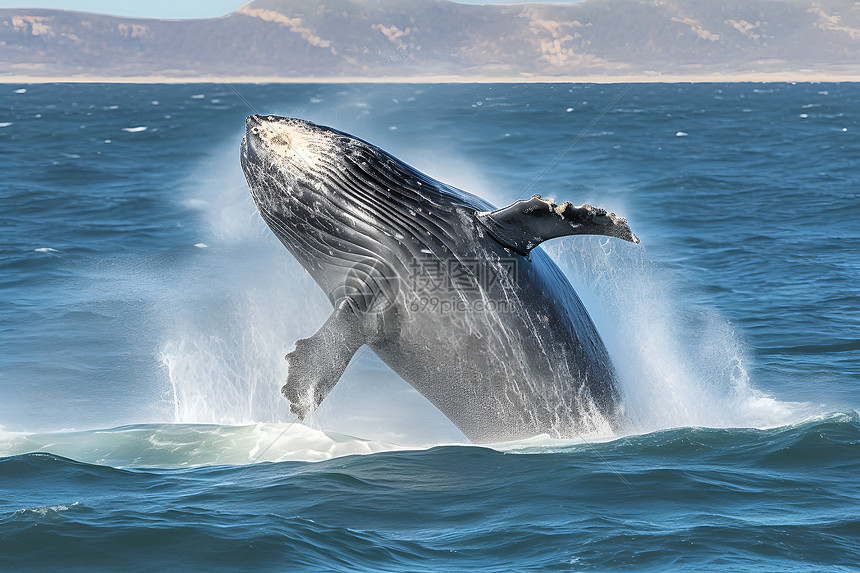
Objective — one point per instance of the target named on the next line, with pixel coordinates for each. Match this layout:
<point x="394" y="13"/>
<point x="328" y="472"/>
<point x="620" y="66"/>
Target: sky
<point x="166" y="8"/>
<point x="136" y="8"/>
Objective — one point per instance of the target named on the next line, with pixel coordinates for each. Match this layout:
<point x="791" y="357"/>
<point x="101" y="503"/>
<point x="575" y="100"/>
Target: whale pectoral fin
<point x="318" y="362"/>
<point x="523" y="225"/>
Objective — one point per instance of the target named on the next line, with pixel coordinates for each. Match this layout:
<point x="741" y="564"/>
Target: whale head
<point x="307" y="178"/>
<point x="336" y="201"/>
<point x="285" y="161"/>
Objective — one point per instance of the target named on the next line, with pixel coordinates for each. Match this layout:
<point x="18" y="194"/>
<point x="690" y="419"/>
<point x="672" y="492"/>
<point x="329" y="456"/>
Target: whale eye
<point x="255" y="130"/>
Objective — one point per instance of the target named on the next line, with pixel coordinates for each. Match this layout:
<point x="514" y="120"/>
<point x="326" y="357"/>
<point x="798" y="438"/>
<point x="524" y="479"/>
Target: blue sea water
<point x="145" y="311"/>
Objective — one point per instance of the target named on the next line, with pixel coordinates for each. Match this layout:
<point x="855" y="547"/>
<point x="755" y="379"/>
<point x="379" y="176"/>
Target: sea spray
<point x="679" y="364"/>
<point x="244" y="302"/>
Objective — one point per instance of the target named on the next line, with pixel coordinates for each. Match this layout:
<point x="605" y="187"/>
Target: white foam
<point x="6" y="123"/>
<point x="198" y="96"/>
<point x="201" y="245"/>
<point x="184" y="445"/>
<point x="680" y="134"/>
<point x="45" y="250"/>
<point x="135" y="129"/>
<point x="21" y="91"/>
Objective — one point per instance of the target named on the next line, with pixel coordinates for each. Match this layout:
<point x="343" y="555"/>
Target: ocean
<point x="145" y="311"/>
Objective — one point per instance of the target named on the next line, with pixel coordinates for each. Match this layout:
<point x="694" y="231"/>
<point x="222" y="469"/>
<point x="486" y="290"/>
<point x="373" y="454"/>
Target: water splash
<point x="228" y="370"/>
<point x="237" y="307"/>
<point x="679" y="364"/>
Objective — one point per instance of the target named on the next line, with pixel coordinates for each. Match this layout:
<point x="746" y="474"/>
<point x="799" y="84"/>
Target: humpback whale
<point x="453" y="294"/>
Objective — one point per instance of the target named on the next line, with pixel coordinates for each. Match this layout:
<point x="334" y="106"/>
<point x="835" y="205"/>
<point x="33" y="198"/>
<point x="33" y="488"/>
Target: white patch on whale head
<point x="293" y="142"/>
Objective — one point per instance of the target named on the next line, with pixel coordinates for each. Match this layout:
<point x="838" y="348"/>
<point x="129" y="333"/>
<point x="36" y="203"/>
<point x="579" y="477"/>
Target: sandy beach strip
<point x="800" y="76"/>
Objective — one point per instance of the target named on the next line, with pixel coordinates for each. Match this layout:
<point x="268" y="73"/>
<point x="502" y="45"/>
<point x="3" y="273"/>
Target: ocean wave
<point x="688" y="498"/>
<point x="192" y="445"/>
<point x="188" y="445"/>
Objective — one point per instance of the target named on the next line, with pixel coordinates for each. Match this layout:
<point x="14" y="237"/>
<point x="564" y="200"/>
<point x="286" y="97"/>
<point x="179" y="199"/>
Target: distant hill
<point x="423" y="38"/>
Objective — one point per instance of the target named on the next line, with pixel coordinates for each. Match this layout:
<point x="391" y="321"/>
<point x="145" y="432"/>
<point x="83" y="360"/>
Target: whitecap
<point x="45" y="250"/>
<point x="155" y="102"/>
<point x="44" y="510"/>
<point x="198" y="96"/>
<point x="135" y="129"/>
<point x="21" y="91"/>
<point x="201" y="245"/>
<point x="5" y="124"/>
<point x="568" y="110"/>
<point x="189" y="445"/>
<point x="804" y="115"/>
<point x="680" y="134"/>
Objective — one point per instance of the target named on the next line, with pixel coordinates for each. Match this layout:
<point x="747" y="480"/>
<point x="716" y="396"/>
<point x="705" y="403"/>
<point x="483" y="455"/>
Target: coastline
<point x="745" y="77"/>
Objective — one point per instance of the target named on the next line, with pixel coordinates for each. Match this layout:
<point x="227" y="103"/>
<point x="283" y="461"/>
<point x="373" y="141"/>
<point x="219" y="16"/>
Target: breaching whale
<point x="452" y="294"/>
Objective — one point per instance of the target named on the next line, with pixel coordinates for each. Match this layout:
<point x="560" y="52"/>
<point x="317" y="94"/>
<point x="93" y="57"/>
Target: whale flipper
<point x="318" y="362"/>
<point x="523" y="225"/>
